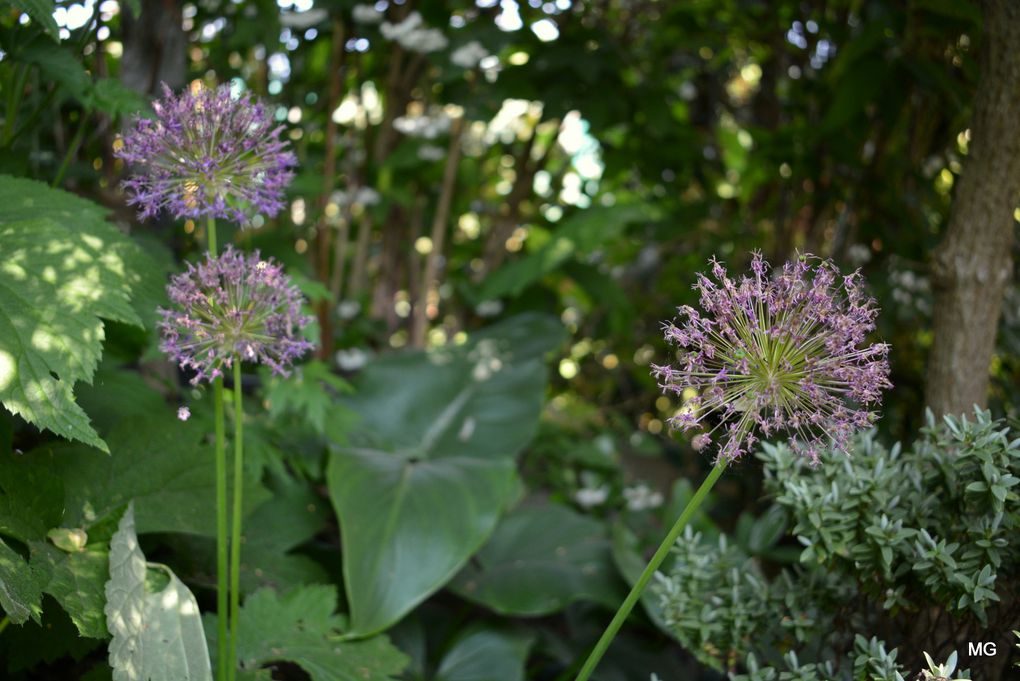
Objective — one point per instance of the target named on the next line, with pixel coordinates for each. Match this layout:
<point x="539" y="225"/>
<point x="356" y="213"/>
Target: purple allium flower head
<point x="207" y="153"/>
<point x="777" y="353"/>
<point x="233" y="307"/>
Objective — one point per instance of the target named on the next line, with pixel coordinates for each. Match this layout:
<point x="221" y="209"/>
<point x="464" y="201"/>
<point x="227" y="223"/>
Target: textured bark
<point x="154" y="46"/>
<point x="973" y="265"/>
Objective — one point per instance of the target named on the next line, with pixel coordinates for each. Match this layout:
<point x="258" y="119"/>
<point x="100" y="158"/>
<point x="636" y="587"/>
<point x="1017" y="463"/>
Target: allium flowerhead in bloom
<point x="777" y="352"/>
<point x="207" y="153"/>
<point x="229" y="308"/>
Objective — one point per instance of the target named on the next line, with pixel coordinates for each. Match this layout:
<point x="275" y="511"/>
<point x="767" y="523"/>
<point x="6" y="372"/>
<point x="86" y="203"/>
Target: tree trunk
<point x="973" y="265"/>
<point x="154" y="46"/>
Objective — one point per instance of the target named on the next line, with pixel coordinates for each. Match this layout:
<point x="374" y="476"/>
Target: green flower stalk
<point x="770" y="354"/>
<point x="211" y="153"/>
<point x="227" y="310"/>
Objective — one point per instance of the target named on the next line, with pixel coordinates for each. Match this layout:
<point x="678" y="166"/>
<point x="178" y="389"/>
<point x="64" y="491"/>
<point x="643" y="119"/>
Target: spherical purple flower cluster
<point x="233" y="307"/>
<point x="207" y="153"/>
<point x="777" y="353"/>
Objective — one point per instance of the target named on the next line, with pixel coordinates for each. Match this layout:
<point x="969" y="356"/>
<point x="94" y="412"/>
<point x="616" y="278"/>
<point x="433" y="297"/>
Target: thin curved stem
<point x="660" y="555"/>
<point x="235" y="538"/>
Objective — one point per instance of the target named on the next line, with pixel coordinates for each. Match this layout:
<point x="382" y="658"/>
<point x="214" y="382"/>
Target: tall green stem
<point x="646" y="576"/>
<point x="221" y="507"/>
<point x="235" y="538"/>
<point x="221" y="529"/>
<point x="210" y="234"/>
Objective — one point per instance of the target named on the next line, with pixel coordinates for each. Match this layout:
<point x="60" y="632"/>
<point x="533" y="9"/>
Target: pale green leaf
<point x="156" y="636"/>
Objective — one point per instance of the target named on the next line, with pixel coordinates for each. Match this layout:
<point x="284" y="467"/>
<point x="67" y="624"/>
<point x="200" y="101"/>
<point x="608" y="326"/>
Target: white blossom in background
<point x="348" y="309"/>
<point x="427" y="127"/>
<point x="430" y="152"/>
<point x="468" y="56"/>
<point x="590" y="497"/>
<point x="858" y="254"/>
<point x="351" y="359"/>
<point x="303" y="20"/>
<point x="641" y="497"/>
<point x="489" y="308"/>
<point x="366" y="14"/>
<point x="364" y="196"/>
<point x="411" y="34"/>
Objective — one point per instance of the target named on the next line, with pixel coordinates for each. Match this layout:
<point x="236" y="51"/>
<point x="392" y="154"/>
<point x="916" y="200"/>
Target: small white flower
<point x="183" y="413"/>
<point x="489" y="308"/>
<point x="348" y="309"/>
<point x="399" y="31"/>
<point x="588" y="497"/>
<point x="469" y="55"/>
<point x="425" y="40"/>
<point x="641" y="497"/>
<point x="430" y="152"/>
<point x="351" y="359"/>
<point x="858" y="254"/>
<point x="366" y="14"/>
<point x="303" y="20"/>
<point x="424" y="127"/>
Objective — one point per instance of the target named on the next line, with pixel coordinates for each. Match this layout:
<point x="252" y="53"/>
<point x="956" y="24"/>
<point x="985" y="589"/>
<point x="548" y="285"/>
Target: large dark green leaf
<point x="431" y="466"/>
<point x="408" y="526"/>
<point x="540" y="559"/>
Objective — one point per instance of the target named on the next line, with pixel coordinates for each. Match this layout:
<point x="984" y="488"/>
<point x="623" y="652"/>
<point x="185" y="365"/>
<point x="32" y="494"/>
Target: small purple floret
<point x="207" y="154"/>
<point x="233" y="307"/>
<point x="782" y="353"/>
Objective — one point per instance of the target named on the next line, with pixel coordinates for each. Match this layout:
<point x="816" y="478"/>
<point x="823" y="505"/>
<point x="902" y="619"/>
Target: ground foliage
<point x="452" y="490"/>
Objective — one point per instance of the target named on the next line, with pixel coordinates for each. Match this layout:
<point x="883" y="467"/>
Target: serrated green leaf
<point x="77" y="581"/>
<point x="20" y="586"/>
<point x="308" y="392"/>
<point x="156" y="636"/>
<point x="57" y="65"/>
<point x="62" y="267"/>
<point x="539" y="560"/>
<point x="41" y="12"/>
<point x="300" y="627"/>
